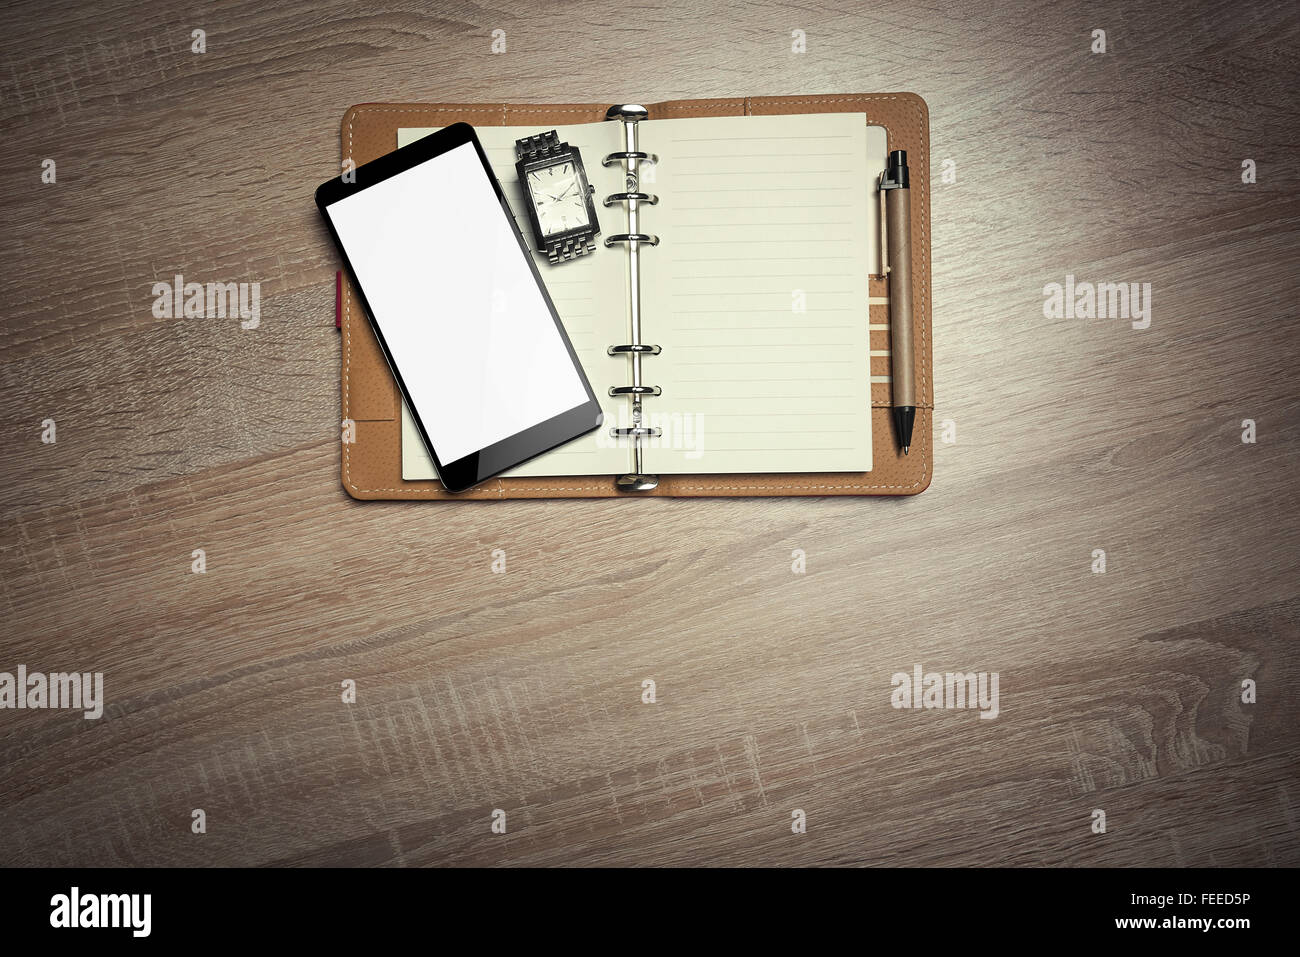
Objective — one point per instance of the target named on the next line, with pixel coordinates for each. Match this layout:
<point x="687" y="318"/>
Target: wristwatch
<point x="558" y="196"/>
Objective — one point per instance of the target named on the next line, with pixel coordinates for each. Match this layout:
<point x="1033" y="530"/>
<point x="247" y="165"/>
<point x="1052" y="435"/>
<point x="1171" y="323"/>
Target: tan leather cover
<point x="371" y="463"/>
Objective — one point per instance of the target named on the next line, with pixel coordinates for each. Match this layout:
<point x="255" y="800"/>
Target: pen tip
<point x="905" y="448"/>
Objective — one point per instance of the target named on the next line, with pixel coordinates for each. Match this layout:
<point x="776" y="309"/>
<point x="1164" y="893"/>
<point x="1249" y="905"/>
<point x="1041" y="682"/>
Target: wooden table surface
<point x="522" y="692"/>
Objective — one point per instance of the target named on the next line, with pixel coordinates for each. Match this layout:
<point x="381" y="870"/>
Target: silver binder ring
<point x="628" y="114"/>
<point x="621" y="155"/>
<point x="631" y="238"/>
<point x="636" y="482"/>
<point x="648" y="198"/>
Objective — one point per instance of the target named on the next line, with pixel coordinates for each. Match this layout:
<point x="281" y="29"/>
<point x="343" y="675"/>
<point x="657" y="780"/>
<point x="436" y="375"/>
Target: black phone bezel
<point x="469" y="470"/>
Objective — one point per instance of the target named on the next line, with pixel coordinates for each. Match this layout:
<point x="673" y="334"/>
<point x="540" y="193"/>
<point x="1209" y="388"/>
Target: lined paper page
<point x="590" y="295"/>
<point x="758" y="292"/>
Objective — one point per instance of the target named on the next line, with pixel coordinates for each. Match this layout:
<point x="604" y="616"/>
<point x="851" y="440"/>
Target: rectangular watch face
<point x="458" y="307"/>
<point x="558" y="194"/>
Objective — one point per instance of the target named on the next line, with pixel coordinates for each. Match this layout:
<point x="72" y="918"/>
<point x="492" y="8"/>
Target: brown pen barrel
<point x="898" y="229"/>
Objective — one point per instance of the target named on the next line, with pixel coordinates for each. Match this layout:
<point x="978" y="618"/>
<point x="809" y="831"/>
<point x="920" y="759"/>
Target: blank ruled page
<point x="758" y="292"/>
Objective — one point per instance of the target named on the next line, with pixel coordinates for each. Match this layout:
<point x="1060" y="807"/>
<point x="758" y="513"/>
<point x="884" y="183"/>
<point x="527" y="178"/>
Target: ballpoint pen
<point x="898" y="229"/>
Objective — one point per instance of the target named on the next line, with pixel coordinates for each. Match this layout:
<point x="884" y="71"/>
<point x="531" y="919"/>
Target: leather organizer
<point x="371" y="462"/>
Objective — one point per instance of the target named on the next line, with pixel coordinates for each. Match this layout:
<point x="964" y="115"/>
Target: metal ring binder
<point x="631" y="158"/>
<point x="635" y="390"/>
<point x="650" y="199"/>
<point x="632" y="239"/>
<point x="628" y="154"/>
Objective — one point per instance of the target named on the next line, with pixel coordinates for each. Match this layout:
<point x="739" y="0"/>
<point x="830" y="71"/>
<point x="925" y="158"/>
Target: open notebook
<point x="757" y="294"/>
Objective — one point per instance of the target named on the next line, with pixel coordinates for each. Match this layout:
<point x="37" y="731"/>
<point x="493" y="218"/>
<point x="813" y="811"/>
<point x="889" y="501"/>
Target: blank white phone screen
<point x="457" y="304"/>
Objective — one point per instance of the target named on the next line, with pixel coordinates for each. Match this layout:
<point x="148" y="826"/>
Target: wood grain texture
<point x="522" y="691"/>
